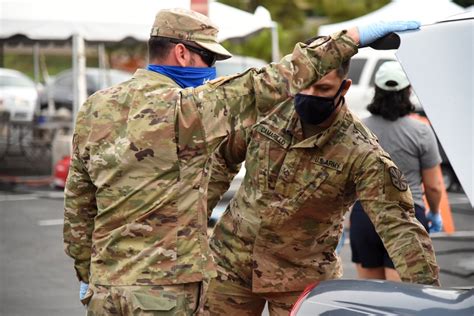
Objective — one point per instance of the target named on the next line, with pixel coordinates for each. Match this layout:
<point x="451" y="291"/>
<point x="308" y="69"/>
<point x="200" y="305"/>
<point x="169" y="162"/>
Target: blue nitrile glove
<point x="83" y="290"/>
<point x="372" y="32"/>
<point x="435" y="222"/>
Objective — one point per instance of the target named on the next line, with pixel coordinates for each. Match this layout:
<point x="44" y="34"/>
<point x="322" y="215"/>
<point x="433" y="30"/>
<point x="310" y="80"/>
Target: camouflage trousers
<point x="156" y="300"/>
<point x="229" y="297"/>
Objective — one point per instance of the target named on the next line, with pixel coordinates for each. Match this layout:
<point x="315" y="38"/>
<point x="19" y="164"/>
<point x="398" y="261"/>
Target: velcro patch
<point x="328" y="163"/>
<point x="265" y="131"/>
<point x="398" y="179"/>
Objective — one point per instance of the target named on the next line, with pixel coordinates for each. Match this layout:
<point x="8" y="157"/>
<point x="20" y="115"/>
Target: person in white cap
<point x="413" y="147"/>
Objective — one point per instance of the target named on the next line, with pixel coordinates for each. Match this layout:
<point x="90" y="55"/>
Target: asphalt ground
<point x="37" y="278"/>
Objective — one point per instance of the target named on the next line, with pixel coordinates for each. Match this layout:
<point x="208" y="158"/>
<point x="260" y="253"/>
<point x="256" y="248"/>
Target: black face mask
<point x="315" y="110"/>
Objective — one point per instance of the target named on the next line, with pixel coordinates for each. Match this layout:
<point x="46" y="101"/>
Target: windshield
<point x="14" y="81"/>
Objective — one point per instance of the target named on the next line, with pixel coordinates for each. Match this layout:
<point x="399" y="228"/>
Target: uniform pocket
<point x="148" y="302"/>
<point x="310" y="188"/>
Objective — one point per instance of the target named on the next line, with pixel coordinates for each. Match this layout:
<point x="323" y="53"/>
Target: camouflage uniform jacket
<point x="281" y="228"/>
<point x="136" y="194"/>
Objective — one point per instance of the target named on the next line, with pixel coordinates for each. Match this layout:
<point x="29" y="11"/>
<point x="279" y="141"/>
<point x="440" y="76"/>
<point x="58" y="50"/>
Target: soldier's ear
<point x="181" y="55"/>
<point x="346" y="87"/>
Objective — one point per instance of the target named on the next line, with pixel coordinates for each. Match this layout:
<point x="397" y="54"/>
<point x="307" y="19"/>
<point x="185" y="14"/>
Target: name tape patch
<point x="282" y="141"/>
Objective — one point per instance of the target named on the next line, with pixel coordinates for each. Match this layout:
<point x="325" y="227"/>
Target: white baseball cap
<point x="391" y="77"/>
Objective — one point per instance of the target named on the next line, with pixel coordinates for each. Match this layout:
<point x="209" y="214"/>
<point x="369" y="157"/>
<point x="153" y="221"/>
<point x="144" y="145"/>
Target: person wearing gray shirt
<point x="413" y="147"/>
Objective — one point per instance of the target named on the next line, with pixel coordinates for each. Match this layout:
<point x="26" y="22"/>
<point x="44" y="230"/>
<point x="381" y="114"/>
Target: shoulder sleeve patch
<point x="398" y="179"/>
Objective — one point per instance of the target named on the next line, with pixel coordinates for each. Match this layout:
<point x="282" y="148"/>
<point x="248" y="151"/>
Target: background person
<point x="307" y="161"/>
<point x="413" y="147"/>
<point x="135" y="199"/>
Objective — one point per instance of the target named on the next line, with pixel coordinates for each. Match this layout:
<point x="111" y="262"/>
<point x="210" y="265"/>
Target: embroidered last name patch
<point x="273" y="136"/>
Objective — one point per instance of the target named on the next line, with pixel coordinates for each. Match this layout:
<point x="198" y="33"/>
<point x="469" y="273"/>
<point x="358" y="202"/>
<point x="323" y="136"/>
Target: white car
<point x="18" y="95"/>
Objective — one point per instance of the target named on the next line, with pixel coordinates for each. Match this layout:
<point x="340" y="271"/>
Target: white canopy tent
<point x="112" y="21"/>
<point x="425" y="11"/>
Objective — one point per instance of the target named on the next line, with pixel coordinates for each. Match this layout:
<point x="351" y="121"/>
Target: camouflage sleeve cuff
<point x="82" y="271"/>
<point x="311" y="62"/>
<point x="419" y="264"/>
<point x="347" y="40"/>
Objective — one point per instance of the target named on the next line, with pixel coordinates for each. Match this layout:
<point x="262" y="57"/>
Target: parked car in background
<point x="376" y="297"/>
<point x="18" y="95"/>
<point x="60" y="89"/>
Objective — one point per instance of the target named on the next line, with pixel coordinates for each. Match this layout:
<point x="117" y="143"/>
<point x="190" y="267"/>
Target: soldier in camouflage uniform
<point x="136" y="195"/>
<point x="280" y="231"/>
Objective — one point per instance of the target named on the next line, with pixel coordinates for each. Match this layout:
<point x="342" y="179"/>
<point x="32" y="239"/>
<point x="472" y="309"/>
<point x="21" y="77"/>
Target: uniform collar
<point x="154" y="77"/>
<point x="319" y="140"/>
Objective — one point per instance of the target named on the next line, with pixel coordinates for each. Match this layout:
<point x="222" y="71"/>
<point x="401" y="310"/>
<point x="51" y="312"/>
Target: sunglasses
<point x="208" y="57"/>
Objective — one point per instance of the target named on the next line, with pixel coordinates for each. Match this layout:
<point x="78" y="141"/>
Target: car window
<point x="355" y="69"/>
<point x="14" y="81"/>
<point x="64" y="81"/>
<point x="377" y="65"/>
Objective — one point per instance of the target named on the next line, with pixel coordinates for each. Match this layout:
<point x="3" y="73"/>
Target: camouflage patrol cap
<point x="190" y="26"/>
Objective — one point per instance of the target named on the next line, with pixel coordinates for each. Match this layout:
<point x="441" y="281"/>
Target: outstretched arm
<point x="235" y="102"/>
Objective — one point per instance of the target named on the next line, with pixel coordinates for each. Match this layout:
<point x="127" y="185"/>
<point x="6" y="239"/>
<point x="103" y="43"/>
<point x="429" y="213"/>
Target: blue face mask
<point x="186" y="76"/>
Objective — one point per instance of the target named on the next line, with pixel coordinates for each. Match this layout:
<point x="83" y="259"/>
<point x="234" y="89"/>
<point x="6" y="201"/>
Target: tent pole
<point x="36" y="63"/>
<point x="79" y="71"/>
<point x="2" y="54"/>
<point x="103" y="82"/>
